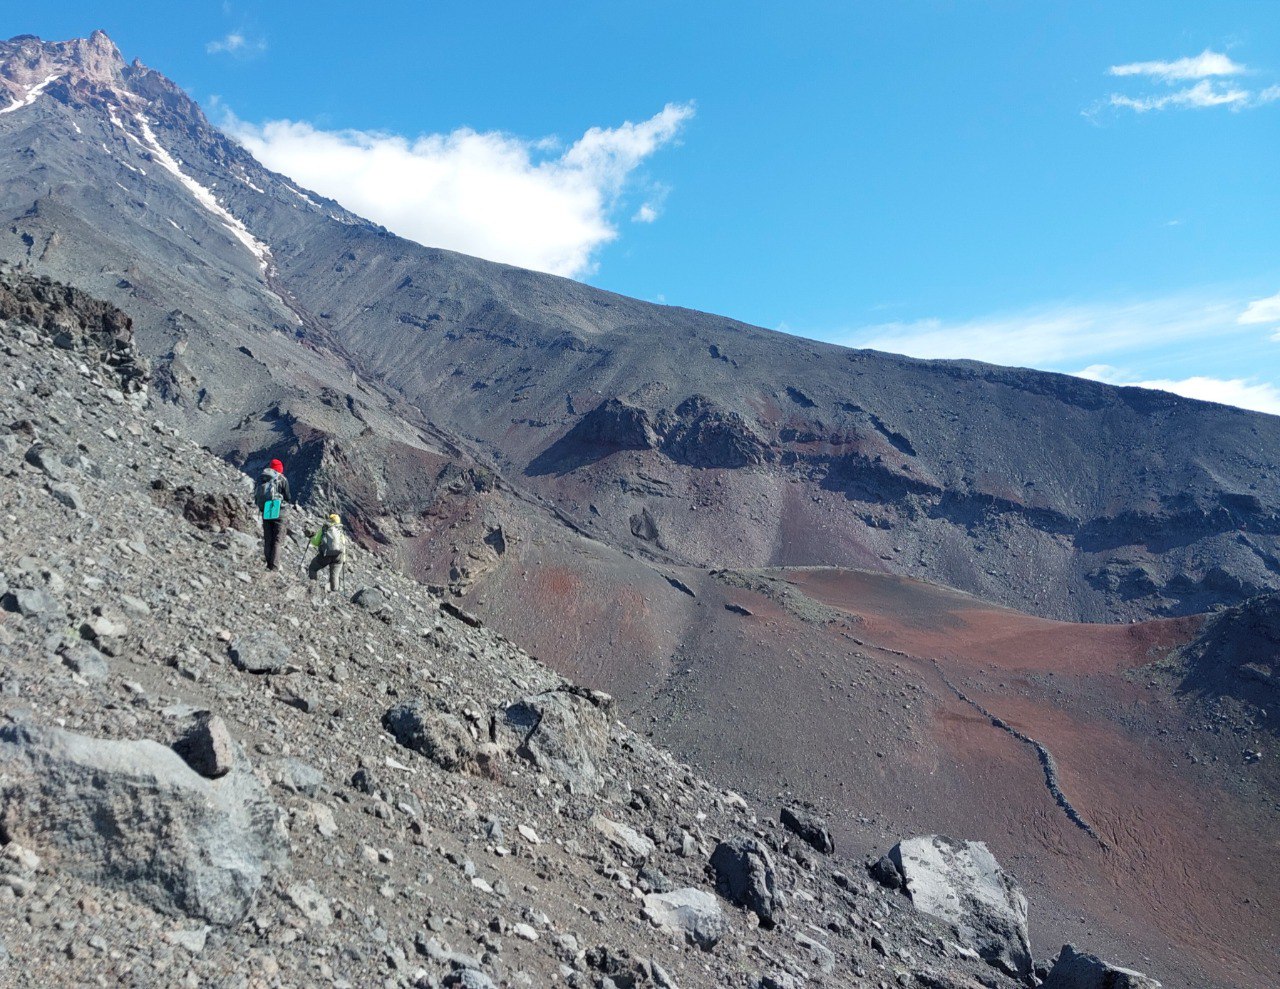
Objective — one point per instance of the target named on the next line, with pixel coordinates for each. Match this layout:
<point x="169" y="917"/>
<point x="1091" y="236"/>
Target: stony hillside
<point x="213" y="775"/>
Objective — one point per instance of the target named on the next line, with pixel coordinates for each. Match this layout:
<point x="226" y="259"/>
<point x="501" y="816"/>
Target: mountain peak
<point x="27" y="62"/>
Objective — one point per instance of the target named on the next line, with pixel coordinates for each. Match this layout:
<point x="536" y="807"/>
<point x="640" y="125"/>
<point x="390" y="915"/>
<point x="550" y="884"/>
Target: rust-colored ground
<point x="860" y="717"/>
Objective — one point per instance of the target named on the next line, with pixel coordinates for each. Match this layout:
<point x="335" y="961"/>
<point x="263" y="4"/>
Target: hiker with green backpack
<point x="330" y="543"/>
<point x="270" y="494"/>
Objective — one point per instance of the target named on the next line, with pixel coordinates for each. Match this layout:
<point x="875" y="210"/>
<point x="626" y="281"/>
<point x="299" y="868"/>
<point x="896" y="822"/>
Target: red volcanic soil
<point x="964" y="632"/>
<point x="856" y="705"/>
<point x="1179" y="857"/>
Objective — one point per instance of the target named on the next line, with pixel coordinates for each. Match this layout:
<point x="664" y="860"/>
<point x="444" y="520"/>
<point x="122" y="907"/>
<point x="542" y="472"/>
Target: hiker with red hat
<point x="270" y="493"/>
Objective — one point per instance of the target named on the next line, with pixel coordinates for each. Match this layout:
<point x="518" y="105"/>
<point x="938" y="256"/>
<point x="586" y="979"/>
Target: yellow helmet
<point x="335" y="520"/>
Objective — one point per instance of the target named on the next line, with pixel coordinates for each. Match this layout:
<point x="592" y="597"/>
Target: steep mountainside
<point x="1063" y="497"/>
<point x="725" y="527"/>
<point x="215" y="776"/>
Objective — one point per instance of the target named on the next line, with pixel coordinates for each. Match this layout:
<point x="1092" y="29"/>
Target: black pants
<point x="273" y="533"/>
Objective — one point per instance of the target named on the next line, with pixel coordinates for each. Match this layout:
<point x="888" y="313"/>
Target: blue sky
<point x="1083" y="187"/>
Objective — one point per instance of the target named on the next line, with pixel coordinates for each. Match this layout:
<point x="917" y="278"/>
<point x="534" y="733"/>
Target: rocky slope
<point x="215" y="776"/>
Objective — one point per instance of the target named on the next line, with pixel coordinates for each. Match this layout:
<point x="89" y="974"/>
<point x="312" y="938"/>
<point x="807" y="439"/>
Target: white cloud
<point x="1207" y="63"/>
<point x="1208" y="69"/>
<point x="235" y="43"/>
<point x="647" y="213"/>
<point x="1200" y="96"/>
<point x="490" y="194"/>
<point x="1058" y="335"/>
<point x="1257" y="396"/>
<point x="1261" y="311"/>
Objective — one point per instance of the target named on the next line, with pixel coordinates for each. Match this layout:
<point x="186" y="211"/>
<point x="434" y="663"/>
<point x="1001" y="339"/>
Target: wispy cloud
<point x="1261" y="311"/>
<point x="1259" y="396"/>
<point x="1056" y="336"/>
<point x="1120" y="343"/>
<point x="1201" y="95"/>
<point x="237" y="44"/>
<point x="501" y="197"/>
<point x="1207" y="63"/>
<point x="1208" y="71"/>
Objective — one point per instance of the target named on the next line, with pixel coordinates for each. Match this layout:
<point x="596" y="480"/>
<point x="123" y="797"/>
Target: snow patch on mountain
<point x="203" y="196"/>
<point x="29" y="97"/>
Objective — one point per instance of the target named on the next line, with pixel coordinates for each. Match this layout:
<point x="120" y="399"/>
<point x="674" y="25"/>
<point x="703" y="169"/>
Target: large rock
<point x="745" y="876"/>
<point x="961" y="883"/>
<point x="691" y="912"/>
<point x="1075" y="970"/>
<point x="564" y="733"/>
<point x="433" y="732"/>
<point x="809" y="827"/>
<point x="260" y="652"/>
<point x="133" y="815"/>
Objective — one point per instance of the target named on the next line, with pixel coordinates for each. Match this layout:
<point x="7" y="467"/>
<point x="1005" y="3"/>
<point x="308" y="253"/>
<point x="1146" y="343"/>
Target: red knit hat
<point x="277" y="466"/>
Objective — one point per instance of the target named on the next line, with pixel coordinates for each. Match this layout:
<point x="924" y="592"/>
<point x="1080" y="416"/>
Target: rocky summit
<point x="1002" y="634"/>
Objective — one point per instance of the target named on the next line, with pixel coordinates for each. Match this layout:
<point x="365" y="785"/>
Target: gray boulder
<point x="1076" y="970"/>
<point x="564" y="733"/>
<point x="430" y="731"/>
<point x="134" y="816"/>
<point x="961" y="882"/>
<point x="745" y="876"/>
<point x="692" y="912"/>
<point x="260" y="652"/>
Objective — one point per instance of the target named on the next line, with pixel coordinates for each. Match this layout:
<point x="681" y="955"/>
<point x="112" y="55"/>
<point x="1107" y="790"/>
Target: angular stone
<point x="261" y="652"/>
<point x="637" y="847"/>
<point x="134" y="816"/>
<point x="310" y="903"/>
<point x="440" y="736"/>
<point x="43" y="459"/>
<point x="746" y="877"/>
<point x="809" y="827"/>
<point x="206" y="745"/>
<point x="564" y="733"/>
<point x="961" y="883"/>
<point x="1076" y="970"/>
<point x="692" y="912"/>
<point x="69" y="495"/>
<point x="30" y="602"/>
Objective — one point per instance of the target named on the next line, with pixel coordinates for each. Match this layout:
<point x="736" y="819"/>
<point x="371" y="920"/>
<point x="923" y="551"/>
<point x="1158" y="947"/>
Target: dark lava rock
<point x="745" y="875"/>
<point x="1075" y="970"/>
<point x="809" y="827"/>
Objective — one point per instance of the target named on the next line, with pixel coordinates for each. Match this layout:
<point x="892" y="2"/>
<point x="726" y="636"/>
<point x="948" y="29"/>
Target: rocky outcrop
<point x="1076" y="970"/>
<point x="564" y="733"/>
<point x="961" y="883"/>
<point x="73" y="320"/>
<point x="696" y="433"/>
<point x="134" y="815"/>
<point x="699" y="433"/>
<point x="745" y="876"/>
